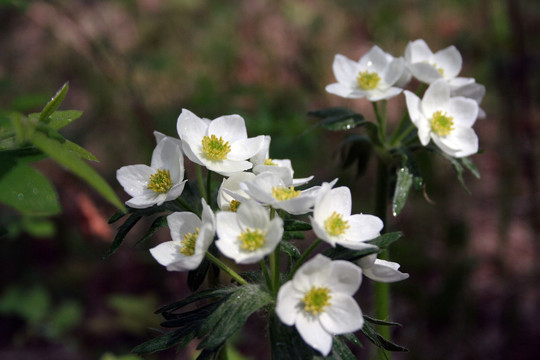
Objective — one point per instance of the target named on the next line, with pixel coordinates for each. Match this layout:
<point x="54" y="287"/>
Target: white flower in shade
<point x="269" y="189"/>
<point x="429" y="67"/>
<point x="220" y="145"/>
<point x="381" y="270"/>
<point x="473" y="91"/>
<point x="161" y="181"/>
<point x="319" y="301"/>
<point x="230" y="194"/>
<point x="281" y="167"/>
<point x="444" y="119"/>
<point x="332" y="220"/>
<point x="375" y="76"/>
<point x="191" y="238"/>
<point x="248" y="235"/>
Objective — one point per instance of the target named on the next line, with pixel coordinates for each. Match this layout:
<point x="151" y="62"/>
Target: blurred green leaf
<point x="38" y="227"/>
<point x="205" y="294"/>
<point x="385" y="240"/>
<point x="467" y="162"/>
<point x="401" y="192"/>
<point x="54" y="103"/>
<point x="381" y="322"/>
<point x="71" y="162"/>
<point x="64" y="319"/>
<point x="59" y="119"/>
<point x="26" y="190"/>
<point x="111" y="356"/>
<point x="134" y="313"/>
<point x="31" y="304"/>
<point x="459" y="170"/>
<point x="379" y="341"/>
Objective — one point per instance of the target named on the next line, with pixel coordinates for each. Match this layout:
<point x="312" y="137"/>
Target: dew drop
<point x="20" y="196"/>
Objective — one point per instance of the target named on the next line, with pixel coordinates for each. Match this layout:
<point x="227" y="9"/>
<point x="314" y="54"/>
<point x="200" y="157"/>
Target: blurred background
<point x="473" y="291"/>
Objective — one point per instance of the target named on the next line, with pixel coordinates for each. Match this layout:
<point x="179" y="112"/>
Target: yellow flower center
<point x="316" y="299"/>
<point x="161" y="181"/>
<point x="188" y="244"/>
<point x="233" y="205"/>
<point x="441" y="124"/>
<point x="251" y="240"/>
<point x="335" y="225"/>
<point x="368" y="80"/>
<point x="284" y="193"/>
<point x="214" y="148"/>
<point x="269" y="162"/>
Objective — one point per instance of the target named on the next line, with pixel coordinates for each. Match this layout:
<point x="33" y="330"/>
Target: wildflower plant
<point x="260" y="213"/>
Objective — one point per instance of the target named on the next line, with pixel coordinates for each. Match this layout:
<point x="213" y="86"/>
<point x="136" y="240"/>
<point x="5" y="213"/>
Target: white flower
<point x="472" y="91"/>
<point x="269" y="189"/>
<point x="332" y="220"/>
<point x="428" y="67"/>
<point x="230" y="194"/>
<point x="319" y="301"/>
<point x="374" y="76"/>
<point x="281" y="167"/>
<point x="161" y="181"/>
<point x="381" y="270"/>
<point x="191" y="238"/>
<point x="248" y="234"/>
<point x="221" y="145"/>
<point x="444" y="119"/>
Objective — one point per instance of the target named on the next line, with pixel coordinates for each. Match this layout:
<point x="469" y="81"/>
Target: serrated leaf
<point x="121" y="234"/>
<point x="340" y="351"/>
<point x="292" y="235"/>
<point x="296" y="225"/>
<point x="290" y="250"/>
<point x="401" y="192"/>
<point x="381" y="322"/>
<point x="206" y="294"/>
<point x="26" y="190"/>
<point x="59" y="119"/>
<point x="188" y="317"/>
<point x="379" y="341"/>
<point x="160" y="221"/>
<point x="467" y="162"/>
<point x="54" y="103"/>
<point x="163" y="342"/>
<point x="77" y="166"/>
<point x="232" y="314"/>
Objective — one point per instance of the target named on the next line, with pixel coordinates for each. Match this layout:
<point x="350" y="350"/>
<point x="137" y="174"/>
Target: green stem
<point x="264" y="269"/>
<point x="200" y="182"/>
<point x="208" y="187"/>
<point x="382" y="290"/>
<point x="274" y="269"/>
<point x="225" y="268"/>
<point x="403" y="135"/>
<point x="381" y="120"/>
<point x="304" y="256"/>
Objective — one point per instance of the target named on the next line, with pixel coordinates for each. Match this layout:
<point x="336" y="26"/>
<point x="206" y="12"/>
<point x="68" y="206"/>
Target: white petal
<point x="425" y="72"/>
<point x="344" y="277"/>
<point x="134" y="178"/>
<point x="365" y="262"/>
<point x="345" y="71"/>
<point x="190" y="126"/>
<point x="311" y="272"/>
<point x="245" y="148"/>
<point x="449" y="60"/>
<point x="385" y="271"/>
<point x="231" y="128"/>
<point x="227" y="167"/>
<point x="175" y="191"/>
<point x="144" y="201"/>
<point x="374" y="60"/>
<point x="168" y="156"/>
<point x="462" y="140"/>
<point x="263" y="152"/>
<point x="345" y="91"/>
<point x="417" y="51"/>
<point x="436" y="97"/>
<point x="463" y="110"/>
<point x="311" y="330"/>
<point x="181" y="223"/>
<point x="165" y="253"/>
<point x="394" y="71"/>
<point x="364" y="227"/>
<point x="288" y="304"/>
<point x="376" y="95"/>
<point x="252" y="215"/>
<point x="342" y="316"/>
<point x="472" y="91"/>
<point x="227" y="225"/>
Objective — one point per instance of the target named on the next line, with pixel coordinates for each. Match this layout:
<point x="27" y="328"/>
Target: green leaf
<point x="206" y="294"/>
<point x="79" y="151"/>
<point x="379" y="341"/>
<point x="403" y="185"/>
<point x="385" y="240"/>
<point x="231" y="315"/>
<point x="459" y="170"/>
<point x="59" y="119"/>
<point x="296" y="225"/>
<point x="356" y="148"/>
<point x="165" y="341"/>
<point x="352" y="339"/>
<point x="291" y="235"/>
<point x="121" y="234"/>
<point x="116" y="216"/>
<point x="159" y="222"/>
<point x="54" y="103"/>
<point x="381" y="322"/>
<point x="341" y="253"/>
<point x="340" y="351"/>
<point x="26" y="190"/>
<point x="71" y="162"/>
<point x="196" y="277"/>
<point x="467" y="162"/>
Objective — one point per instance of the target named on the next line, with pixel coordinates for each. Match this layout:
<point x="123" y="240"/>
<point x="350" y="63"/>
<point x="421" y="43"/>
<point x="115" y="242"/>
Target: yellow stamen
<point x="251" y="240"/>
<point x="233" y="205"/>
<point x="188" y="244"/>
<point x="284" y="193"/>
<point x="214" y="148"/>
<point x="269" y="162"/>
<point x="160" y="182"/>
<point x="316" y="299"/>
<point x="441" y="124"/>
<point x="368" y="80"/>
<point x="335" y="225"/>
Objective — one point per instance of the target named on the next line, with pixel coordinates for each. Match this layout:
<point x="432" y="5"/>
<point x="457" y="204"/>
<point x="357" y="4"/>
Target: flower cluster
<point x="255" y="196"/>
<point x="449" y="107"/>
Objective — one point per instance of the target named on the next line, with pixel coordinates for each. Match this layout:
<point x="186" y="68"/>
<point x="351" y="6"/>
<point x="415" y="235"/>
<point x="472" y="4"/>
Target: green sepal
<point x="121" y="234"/>
<point x="467" y="162"/>
<point x="54" y="103"/>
